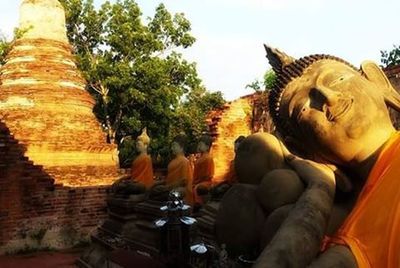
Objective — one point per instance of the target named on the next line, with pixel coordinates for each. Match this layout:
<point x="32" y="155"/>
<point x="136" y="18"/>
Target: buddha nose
<point x="331" y="96"/>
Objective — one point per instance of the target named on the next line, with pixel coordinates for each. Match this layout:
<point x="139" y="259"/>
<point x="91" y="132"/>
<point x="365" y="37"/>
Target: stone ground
<point x="60" y="259"/>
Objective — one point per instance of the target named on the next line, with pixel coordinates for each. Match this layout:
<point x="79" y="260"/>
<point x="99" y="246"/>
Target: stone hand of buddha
<point x="125" y="187"/>
<point x="312" y="172"/>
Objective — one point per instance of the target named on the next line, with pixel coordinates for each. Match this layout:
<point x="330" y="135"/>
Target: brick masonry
<point x="393" y="73"/>
<point x="34" y="211"/>
<point x="37" y="211"/>
<point x="225" y="125"/>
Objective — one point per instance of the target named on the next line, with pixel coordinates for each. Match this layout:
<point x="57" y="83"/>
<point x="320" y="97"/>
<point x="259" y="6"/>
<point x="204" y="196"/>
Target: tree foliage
<point x="135" y="72"/>
<point x="5" y="44"/>
<point x="4" y="48"/>
<point x="267" y="83"/>
<point x="390" y="58"/>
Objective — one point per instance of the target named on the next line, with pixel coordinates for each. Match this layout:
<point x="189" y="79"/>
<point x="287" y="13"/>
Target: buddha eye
<point x="337" y="80"/>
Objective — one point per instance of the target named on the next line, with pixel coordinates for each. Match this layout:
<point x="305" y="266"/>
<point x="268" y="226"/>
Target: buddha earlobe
<point x="375" y="74"/>
<point x="277" y="59"/>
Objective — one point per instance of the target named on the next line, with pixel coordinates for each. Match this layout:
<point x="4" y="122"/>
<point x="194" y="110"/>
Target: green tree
<point x="134" y="71"/>
<point x="190" y="116"/>
<point x="5" y="44"/>
<point x="267" y="83"/>
<point x="4" y="48"/>
<point x="390" y="58"/>
<point x="269" y="79"/>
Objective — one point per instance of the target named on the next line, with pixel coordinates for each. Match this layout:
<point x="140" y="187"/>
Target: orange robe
<point x="372" y="230"/>
<point x="230" y="177"/>
<point x="180" y="171"/>
<point x="203" y="174"/>
<point x="142" y="170"/>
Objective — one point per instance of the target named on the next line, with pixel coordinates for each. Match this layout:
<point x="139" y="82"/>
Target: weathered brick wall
<point x="261" y="121"/>
<point x="44" y="103"/>
<point x="34" y="211"/>
<point x="393" y="73"/>
<point x="225" y="126"/>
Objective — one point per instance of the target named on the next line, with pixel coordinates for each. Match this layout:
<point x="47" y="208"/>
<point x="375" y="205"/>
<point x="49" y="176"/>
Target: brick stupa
<point x="44" y="103"/>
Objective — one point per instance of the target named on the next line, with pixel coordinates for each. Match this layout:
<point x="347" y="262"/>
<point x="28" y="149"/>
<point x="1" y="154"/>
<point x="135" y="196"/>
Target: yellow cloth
<point x="372" y="230"/>
<point x="180" y="172"/>
<point x="203" y="174"/>
<point x="142" y="170"/>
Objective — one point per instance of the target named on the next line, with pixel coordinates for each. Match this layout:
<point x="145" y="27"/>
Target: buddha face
<point x="141" y="146"/>
<point x="176" y="148"/>
<point x="334" y="110"/>
<point x="202" y="147"/>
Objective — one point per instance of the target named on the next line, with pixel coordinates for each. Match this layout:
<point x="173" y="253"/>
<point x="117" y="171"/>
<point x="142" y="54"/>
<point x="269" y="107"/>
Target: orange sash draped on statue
<point x="142" y="170"/>
<point x="203" y="174"/>
<point x="372" y="230"/>
<point x="180" y="169"/>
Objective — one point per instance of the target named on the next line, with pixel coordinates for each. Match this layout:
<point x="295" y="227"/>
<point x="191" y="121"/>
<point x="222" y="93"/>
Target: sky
<point x="230" y="33"/>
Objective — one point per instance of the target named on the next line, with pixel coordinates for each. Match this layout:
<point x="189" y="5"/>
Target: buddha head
<point x="328" y="110"/>
<point x="143" y="141"/>
<point x="237" y="142"/>
<point x="204" y="144"/>
<point x="178" y="145"/>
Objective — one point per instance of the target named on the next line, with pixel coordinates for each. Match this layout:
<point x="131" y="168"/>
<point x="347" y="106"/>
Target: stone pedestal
<point x="130" y="227"/>
<point x="206" y="222"/>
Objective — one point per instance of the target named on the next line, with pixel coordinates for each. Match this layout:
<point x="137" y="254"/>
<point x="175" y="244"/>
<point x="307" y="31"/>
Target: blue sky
<point x="230" y="33"/>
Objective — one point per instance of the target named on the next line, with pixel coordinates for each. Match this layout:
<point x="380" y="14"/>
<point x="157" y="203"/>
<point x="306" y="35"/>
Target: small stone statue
<point x="203" y="171"/>
<point x="142" y="169"/>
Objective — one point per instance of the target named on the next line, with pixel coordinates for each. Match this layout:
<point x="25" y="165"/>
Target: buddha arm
<point x="299" y="238"/>
<point x="335" y="256"/>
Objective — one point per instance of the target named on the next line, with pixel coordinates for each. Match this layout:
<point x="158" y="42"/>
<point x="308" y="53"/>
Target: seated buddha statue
<point x="203" y="170"/>
<point x="141" y="177"/>
<point x="229" y="178"/>
<point x="328" y="111"/>
<point x="179" y="173"/>
<point x="142" y="169"/>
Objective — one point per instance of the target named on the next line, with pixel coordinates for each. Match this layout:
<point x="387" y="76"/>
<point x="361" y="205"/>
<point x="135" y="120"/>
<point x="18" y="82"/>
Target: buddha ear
<point x="375" y="74"/>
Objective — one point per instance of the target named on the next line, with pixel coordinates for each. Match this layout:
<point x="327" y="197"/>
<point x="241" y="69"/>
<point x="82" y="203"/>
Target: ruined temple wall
<point x="37" y="213"/>
<point x="393" y="73"/>
<point x="225" y="125"/>
<point x="44" y="103"/>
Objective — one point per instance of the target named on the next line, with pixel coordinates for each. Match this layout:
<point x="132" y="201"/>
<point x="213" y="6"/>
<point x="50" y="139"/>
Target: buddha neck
<point x="204" y="153"/>
<point x="179" y="155"/>
<point x="363" y="167"/>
